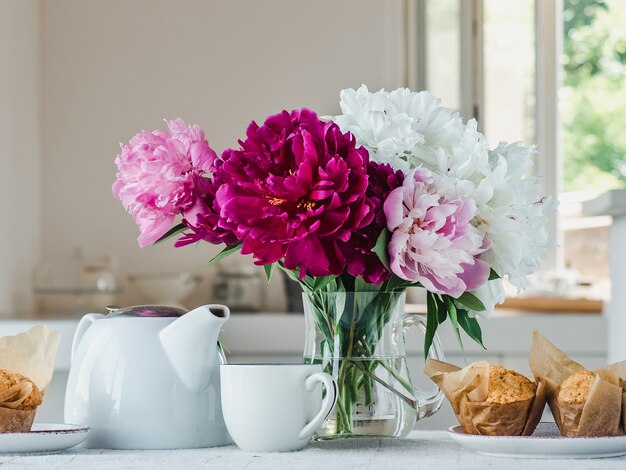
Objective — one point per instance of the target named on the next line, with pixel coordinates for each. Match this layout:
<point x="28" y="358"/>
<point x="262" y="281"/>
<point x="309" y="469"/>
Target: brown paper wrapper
<point x="467" y="390"/>
<point x="32" y="355"/>
<point x="13" y="418"/>
<point x="602" y="413"/>
<point x="16" y="420"/>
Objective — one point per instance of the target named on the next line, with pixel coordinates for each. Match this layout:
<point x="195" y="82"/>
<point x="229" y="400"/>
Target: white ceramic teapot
<point x="147" y="377"/>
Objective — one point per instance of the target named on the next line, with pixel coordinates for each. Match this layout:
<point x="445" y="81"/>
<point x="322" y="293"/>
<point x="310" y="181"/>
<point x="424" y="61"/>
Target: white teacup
<point x="275" y="407"/>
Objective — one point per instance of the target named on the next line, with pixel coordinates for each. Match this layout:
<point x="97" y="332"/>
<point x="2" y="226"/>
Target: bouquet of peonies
<point x="395" y="192"/>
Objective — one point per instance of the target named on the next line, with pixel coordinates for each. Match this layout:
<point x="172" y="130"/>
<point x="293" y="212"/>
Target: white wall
<point x="110" y="68"/>
<point x="19" y="153"/>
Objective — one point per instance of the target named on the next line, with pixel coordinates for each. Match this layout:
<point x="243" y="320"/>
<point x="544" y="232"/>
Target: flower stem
<point x="408" y="400"/>
<point x="343" y="418"/>
<point x="391" y="370"/>
<point x="353" y="382"/>
<point x="367" y="388"/>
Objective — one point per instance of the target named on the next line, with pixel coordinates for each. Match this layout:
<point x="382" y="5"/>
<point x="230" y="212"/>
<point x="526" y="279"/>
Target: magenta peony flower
<point x="157" y="176"/>
<point x="203" y="218"/>
<point x="295" y="190"/>
<point x="432" y="239"/>
<point x="360" y="259"/>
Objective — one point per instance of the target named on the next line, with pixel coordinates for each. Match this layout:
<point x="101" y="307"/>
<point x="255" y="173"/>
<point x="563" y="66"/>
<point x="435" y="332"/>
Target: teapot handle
<point x="81" y="329"/>
<point x="427" y="402"/>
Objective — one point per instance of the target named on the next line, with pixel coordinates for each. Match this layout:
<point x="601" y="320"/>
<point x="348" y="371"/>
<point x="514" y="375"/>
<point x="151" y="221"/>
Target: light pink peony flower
<point x="432" y="239"/>
<point x="157" y="176"/>
<point x="192" y="143"/>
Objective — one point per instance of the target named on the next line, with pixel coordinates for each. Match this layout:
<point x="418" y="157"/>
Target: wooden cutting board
<point x="553" y="304"/>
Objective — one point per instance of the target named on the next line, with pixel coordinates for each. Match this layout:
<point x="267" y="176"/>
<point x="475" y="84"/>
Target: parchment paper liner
<point x="16" y="420"/>
<point x="467" y="390"/>
<point x="602" y="414"/>
<point x="31" y="354"/>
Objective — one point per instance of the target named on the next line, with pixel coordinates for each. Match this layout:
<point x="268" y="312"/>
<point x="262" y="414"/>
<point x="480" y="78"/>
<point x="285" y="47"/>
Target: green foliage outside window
<point x="593" y="97"/>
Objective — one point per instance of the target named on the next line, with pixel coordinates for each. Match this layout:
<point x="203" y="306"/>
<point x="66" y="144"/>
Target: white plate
<point x="43" y="437"/>
<point x="545" y="443"/>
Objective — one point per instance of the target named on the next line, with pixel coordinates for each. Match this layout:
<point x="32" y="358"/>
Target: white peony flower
<point x="515" y="217"/>
<point x="401" y="128"/>
<point x="408" y="130"/>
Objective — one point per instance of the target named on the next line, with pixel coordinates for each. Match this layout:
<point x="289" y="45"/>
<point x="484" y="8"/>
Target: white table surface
<point x="422" y="450"/>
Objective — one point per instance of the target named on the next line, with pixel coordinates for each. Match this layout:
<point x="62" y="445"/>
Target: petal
<point x="474" y="275"/>
<point x="202" y="156"/>
<point x="393" y="208"/>
<point x="152" y="229"/>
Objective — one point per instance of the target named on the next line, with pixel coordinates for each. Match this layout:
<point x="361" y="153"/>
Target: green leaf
<point x="471" y="301"/>
<point x="471" y="326"/>
<point x="382" y="242"/>
<point x="306" y="284"/>
<point x="364" y="295"/>
<point x="396" y="283"/>
<point x="442" y="311"/>
<point x="454" y="319"/>
<point x="320" y="282"/>
<point x="269" y="269"/>
<point x="293" y="275"/>
<point x="175" y="230"/>
<point x="493" y="275"/>
<point x="431" y="323"/>
<point x="361" y="285"/>
<point x="225" y="252"/>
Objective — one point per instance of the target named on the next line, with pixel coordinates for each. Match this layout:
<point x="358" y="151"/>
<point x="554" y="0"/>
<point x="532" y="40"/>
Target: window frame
<point x="548" y="49"/>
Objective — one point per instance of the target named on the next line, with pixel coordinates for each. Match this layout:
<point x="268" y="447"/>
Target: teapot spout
<point x="190" y="343"/>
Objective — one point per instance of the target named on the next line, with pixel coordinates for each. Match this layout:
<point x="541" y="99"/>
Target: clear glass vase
<point x="358" y="337"/>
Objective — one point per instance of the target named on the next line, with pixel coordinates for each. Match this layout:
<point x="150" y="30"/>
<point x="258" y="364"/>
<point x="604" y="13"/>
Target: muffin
<point x="583" y="403"/>
<point x="508" y="386"/>
<point x="19" y="399"/>
<point x="488" y="399"/>
<point x="575" y="389"/>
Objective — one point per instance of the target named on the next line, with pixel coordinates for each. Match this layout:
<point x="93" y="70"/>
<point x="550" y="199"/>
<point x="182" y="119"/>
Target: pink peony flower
<point x="360" y="259"/>
<point x="192" y="143"/>
<point x="295" y="190"/>
<point x="432" y="239"/>
<point x="157" y="176"/>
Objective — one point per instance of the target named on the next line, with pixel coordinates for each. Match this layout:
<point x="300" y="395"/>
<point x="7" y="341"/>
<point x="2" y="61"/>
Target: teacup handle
<point x="327" y="404"/>
<point x="427" y="402"/>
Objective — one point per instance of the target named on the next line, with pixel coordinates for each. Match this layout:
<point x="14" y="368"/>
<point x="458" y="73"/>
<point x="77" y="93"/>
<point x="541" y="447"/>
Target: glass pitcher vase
<point x="358" y="338"/>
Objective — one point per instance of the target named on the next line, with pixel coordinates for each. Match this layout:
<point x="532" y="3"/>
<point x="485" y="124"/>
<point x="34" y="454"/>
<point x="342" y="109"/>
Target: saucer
<point x="545" y="443"/>
<point x="43" y="437"/>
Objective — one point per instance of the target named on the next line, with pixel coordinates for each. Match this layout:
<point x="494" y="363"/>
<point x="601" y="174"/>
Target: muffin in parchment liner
<point x="26" y="368"/>
<point x="19" y="399"/>
<point x="583" y="403"/>
<point x="489" y="400"/>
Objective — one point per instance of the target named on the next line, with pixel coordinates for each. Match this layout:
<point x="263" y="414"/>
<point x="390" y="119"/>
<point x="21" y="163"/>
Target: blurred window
<point x="545" y="72"/>
<point x="509" y="70"/>
<point x="443" y="30"/>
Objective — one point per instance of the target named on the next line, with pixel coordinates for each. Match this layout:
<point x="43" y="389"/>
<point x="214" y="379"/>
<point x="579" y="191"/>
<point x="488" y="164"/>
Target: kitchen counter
<point x="270" y="337"/>
<point x="423" y="449"/>
<point x="263" y="335"/>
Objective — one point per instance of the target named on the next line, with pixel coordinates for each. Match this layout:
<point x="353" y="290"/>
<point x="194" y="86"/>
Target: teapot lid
<point x="159" y="311"/>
